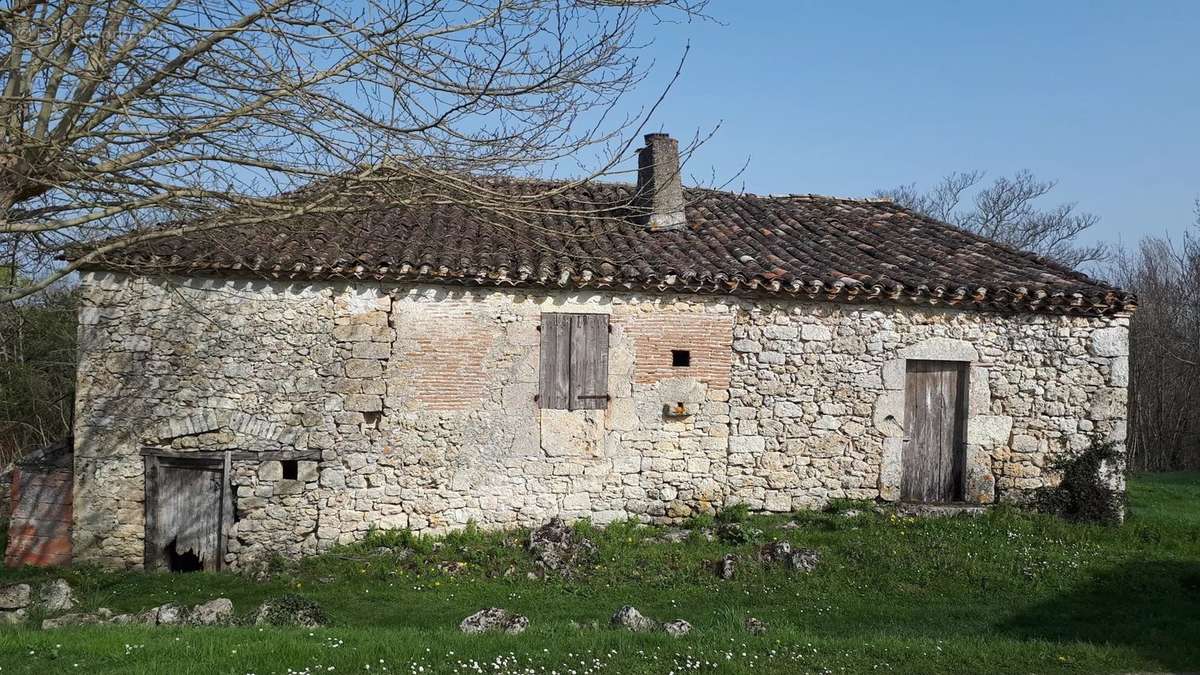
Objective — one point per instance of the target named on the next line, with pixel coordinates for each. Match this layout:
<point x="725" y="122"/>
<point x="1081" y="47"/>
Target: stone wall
<point x="414" y="406"/>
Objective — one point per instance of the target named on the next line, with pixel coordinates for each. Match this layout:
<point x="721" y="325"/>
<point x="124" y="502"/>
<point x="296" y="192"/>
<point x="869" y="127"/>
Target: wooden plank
<point x="224" y="510"/>
<point x="554" y="388"/>
<point x="589" y="362"/>
<point x="934" y="451"/>
<point x="151" y="552"/>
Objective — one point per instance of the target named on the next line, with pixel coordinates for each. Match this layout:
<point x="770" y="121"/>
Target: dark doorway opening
<point x="182" y="562"/>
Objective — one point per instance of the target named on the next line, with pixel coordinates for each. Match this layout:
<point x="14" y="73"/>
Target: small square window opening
<point x="291" y="469"/>
<point x="681" y="358"/>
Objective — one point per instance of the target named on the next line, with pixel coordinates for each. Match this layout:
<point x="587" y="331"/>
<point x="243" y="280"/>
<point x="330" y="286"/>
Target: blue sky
<point x="845" y="98"/>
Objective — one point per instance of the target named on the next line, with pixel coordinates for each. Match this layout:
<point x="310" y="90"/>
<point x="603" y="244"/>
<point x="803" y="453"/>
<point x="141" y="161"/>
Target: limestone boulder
<point x="776" y="551"/>
<point x="13" y="617"/>
<point x="677" y="628"/>
<point x="171" y="614"/>
<point x="629" y="618"/>
<point x="15" y="596"/>
<point x="556" y="547"/>
<point x="79" y="619"/>
<point x="56" y="596"/>
<point x="494" y="620"/>
<point x="726" y="567"/>
<point x="804" y="560"/>
<point x="212" y="613"/>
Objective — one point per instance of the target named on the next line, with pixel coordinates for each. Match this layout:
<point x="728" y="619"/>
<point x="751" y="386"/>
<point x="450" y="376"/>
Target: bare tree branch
<point x="1007" y="210"/>
<point x="119" y="115"/>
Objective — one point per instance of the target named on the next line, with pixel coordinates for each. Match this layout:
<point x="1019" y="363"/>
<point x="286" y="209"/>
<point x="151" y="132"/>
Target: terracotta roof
<point x="802" y="246"/>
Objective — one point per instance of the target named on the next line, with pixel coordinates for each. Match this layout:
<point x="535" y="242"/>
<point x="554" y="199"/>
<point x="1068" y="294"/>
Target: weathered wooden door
<point x="935" y="425"/>
<point x="187" y="512"/>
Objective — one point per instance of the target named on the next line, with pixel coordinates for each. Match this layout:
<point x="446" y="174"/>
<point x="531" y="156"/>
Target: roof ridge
<point x="700" y="188"/>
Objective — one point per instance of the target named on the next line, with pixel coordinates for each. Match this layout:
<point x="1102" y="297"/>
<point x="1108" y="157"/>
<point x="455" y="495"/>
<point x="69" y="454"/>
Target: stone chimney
<point x="659" y="198"/>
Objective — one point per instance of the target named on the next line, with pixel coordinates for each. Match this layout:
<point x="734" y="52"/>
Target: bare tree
<point x="119" y="115"/>
<point x="1164" y="362"/>
<point x="1006" y="210"/>
<point x="37" y="371"/>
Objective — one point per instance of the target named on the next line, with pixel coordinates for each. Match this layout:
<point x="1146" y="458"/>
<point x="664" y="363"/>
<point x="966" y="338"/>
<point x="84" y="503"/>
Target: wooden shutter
<point x="574" y="362"/>
<point x="589" y="361"/>
<point x="554" y="383"/>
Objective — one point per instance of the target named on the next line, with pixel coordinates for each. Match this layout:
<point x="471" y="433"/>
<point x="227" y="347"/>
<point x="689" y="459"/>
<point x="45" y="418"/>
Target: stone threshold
<point x="939" y="510"/>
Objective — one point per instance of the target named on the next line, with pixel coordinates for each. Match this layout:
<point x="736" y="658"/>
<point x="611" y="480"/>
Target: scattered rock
<point x="677" y="628"/>
<point x="790" y="525"/>
<point x="755" y="626"/>
<point x="675" y="536"/>
<point x="851" y="513"/>
<point x="12" y="617"/>
<point x="57" y="596"/>
<point x="555" y="546"/>
<point x="726" y="566"/>
<point x="65" y="620"/>
<point x="737" y="533"/>
<point x="494" y="619"/>
<point x="630" y="619"/>
<point x="211" y="613"/>
<point x="776" y="551"/>
<point x="16" y="596"/>
<point x="147" y="617"/>
<point x="732" y="533"/>
<point x="170" y="614"/>
<point x="804" y="559"/>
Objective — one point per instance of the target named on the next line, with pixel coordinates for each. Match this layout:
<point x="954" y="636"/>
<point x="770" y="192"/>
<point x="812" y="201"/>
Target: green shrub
<point x="398" y="539"/>
<point x="734" y="513"/>
<point x="1082" y="495"/>
<point x="842" y="505"/>
<point x="291" y="609"/>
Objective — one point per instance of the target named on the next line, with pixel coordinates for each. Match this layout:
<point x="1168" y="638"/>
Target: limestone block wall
<point x="414" y="406"/>
<point x="818" y="408"/>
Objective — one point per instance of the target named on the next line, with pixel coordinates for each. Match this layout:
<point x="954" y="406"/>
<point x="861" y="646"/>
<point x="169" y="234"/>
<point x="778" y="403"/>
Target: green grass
<point x="1007" y="592"/>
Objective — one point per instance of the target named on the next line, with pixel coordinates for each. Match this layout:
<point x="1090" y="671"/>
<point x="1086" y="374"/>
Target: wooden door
<point x="935" y="426"/>
<point x="187" y="513"/>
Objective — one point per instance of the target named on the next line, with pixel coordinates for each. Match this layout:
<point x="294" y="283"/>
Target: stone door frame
<point x="984" y="431"/>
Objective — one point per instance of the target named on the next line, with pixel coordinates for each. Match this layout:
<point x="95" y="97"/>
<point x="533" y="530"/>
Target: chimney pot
<point x="659" y="197"/>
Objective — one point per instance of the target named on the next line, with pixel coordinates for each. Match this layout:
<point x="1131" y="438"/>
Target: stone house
<point x="641" y="351"/>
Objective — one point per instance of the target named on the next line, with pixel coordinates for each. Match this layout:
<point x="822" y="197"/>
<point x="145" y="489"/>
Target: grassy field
<point x="1006" y="592"/>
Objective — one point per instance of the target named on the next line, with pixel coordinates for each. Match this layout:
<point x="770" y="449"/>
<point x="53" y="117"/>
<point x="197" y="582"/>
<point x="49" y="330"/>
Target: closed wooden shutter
<point x="574" y="362"/>
<point x="554" y="380"/>
<point x="589" y="362"/>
